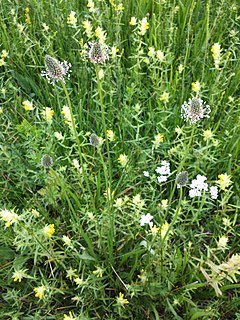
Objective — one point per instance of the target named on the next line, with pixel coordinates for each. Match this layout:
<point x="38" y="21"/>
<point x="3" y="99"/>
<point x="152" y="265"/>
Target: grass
<point x="89" y="230"/>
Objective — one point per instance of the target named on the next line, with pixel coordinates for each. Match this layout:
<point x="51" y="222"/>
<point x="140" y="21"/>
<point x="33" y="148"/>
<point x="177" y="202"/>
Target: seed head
<point x="182" y="179"/>
<point x="55" y="70"/>
<point x="194" y="110"/>
<point x="94" y="140"/>
<point x="46" y="161"/>
<point x="98" y="52"/>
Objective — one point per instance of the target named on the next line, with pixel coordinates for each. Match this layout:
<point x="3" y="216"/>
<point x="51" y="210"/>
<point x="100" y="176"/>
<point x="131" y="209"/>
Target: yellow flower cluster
<point x="87" y="25"/>
<point x="224" y="181"/>
<point x="196" y="86"/>
<point x="71" y="19"/>
<point x="143" y="25"/>
<point x="123" y="160"/>
<point x="28" y="105"/>
<point x="48" y="114"/>
<point x="27" y="16"/>
<point x="158" y="139"/>
<point x="49" y="230"/>
<point x="39" y="291"/>
<point x="216" y="53"/>
<point x="4" y="55"/>
<point x="120" y="300"/>
<point x="9" y="217"/>
<point x="100" y="34"/>
<point x="91" y="5"/>
<point x="67" y="115"/>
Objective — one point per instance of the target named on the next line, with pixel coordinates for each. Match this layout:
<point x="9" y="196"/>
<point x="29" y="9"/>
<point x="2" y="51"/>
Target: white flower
<point x="146" y="174"/>
<point x="214" y="192"/>
<point x="194" y="193"/>
<point x="199" y="183"/>
<point x="197" y="186"/>
<point x="146" y="219"/>
<point x="162" y="179"/>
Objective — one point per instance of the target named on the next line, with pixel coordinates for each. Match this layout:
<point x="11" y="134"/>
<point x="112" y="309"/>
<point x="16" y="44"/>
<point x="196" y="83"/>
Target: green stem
<point x="174" y="217"/>
<point x="100" y="92"/>
<point x="183" y="161"/>
<point x="78" y="142"/>
<point x="107" y="173"/>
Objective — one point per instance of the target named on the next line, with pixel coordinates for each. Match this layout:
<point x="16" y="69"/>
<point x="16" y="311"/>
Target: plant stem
<point x="183" y="161"/>
<point x="78" y="142"/>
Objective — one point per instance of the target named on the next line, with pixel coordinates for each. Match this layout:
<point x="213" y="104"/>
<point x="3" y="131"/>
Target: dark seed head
<point x="46" y="161"/>
<point x="182" y="179"/>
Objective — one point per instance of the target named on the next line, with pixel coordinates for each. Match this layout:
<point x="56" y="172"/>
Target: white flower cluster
<point x="146" y="219"/>
<point x="199" y="184"/>
<point x="163" y="171"/>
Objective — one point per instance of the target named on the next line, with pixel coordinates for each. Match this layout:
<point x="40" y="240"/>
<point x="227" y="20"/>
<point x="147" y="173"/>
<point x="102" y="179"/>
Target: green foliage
<point x="82" y="161"/>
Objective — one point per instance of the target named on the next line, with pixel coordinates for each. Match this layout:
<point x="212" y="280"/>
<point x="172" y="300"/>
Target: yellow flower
<point x="88" y="27"/>
<point x="151" y="52"/>
<point x="196" y="86"/>
<point x="48" y="114"/>
<point x="49" y="230"/>
<point x="143" y="26"/>
<point x="27" y="17"/>
<point x="164" y="97"/>
<point x="142" y="276"/>
<point x="98" y="272"/>
<point x="79" y="281"/>
<point x="179" y="131"/>
<point x="123" y="160"/>
<point x="164" y="229"/>
<point x="101" y="74"/>
<point x="2" y="62"/>
<point x="121" y="301"/>
<point x="158" y="139"/>
<point x="18" y="275"/>
<point x="207" y="135"/>
<point x="20" y="27"/>
<point x="45" y="27"/>
<point x="4" y="54"/>
<point x="137" y="202"/>
<point x="110" y="135"/>
<point x="224" y="181"/>
<point x="39" y="291"/>
<point x="70" y="317"/>
<point x="9" y="217"/>
<point x="100" y="34"/>
<point x="164" y="203"/>
<point x="67" y="115"/>
<point x="216" y="53"/>
<point x="114" y="51"/>
<point x="71" y="273"/>
<point x="133" y="21"/>
<point x="71" y="19"/>
<point x="28" y="105"/>
<point x="146" y="60"/>
<point x="59" y="136"/>
<point x="160" y="55"/>
<point x="180" y="68"/>
<point x="90" y="5"/>
<point x="222" y="242"/>
<point x="67" y="241"/>
<point x="154" y="230"/>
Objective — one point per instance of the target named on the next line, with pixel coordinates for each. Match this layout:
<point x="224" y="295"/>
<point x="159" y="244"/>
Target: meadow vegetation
<point x="119" y="159"/>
